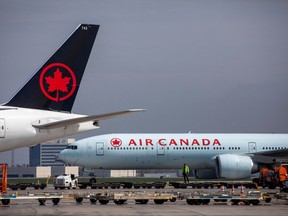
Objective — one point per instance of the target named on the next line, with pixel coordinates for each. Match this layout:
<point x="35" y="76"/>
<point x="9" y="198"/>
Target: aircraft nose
<point x="58" y="157"/>
<point x="68" y="156"/>
<point x="61" y="156"/>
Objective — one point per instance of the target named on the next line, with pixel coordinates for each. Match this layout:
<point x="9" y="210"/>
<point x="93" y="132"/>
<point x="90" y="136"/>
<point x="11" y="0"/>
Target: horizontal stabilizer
<point x="94" y="118"/>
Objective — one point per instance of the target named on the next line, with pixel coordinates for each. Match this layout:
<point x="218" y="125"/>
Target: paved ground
<point x="180" y="207"/>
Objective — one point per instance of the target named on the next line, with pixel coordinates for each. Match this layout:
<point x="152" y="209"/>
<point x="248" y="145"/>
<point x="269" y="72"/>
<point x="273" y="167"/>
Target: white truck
<point x="65" y="181"/>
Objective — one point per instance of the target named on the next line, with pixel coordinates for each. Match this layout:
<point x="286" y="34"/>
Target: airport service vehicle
<point x="230" y="156"/>
<point x="25" y="185"/>
<point x="65" y="181"/>
<point x="41" y="110"/>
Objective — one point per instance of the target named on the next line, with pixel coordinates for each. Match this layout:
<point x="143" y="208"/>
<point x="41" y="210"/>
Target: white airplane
<point x="41" y="110"/>
<point x="230" y="156"/>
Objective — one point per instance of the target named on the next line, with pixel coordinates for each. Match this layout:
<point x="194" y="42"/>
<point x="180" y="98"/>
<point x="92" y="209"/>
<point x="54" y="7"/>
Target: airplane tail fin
<point x="55" y="85"/>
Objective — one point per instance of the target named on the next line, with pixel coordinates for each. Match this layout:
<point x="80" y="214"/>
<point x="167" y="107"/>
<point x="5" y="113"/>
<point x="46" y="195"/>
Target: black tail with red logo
<point x="54" y="86"/>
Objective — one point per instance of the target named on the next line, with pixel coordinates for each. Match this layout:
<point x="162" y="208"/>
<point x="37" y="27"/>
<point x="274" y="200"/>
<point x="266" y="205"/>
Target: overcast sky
<point x="200" y="66"/>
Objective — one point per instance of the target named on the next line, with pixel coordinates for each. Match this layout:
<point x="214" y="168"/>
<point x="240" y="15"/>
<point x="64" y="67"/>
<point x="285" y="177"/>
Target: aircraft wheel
<point x="41" y="201"/>
<point x="5" y="201"/>
<point x="173" y="199"/>
<point x="79" y="199"/>
<point x="190" y="201"/>
<point x="93" y="201"/>
<point x="92" y="181"/>
<point x="159" y="201"/>
<point x="55" y="201"/>
<point x="103" y="202"/>
<point x="267" y="200"/>
<point x="23" y="187"/>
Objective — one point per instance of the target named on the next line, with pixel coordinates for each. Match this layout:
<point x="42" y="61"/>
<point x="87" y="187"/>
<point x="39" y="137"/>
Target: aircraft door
<point x="99" y="148"/>
<point x="2" y="128"/>
<point x="160" y="149"/>
<point x="91" y="149"/>
<point x="252" y="147"/>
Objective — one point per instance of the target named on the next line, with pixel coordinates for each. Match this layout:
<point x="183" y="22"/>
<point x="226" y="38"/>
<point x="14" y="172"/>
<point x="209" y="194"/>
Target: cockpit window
<point x="73" y="147"/>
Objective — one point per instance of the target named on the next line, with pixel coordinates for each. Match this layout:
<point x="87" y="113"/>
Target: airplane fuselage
<point x="168" y="151"/>
<point x="17" y="130"/>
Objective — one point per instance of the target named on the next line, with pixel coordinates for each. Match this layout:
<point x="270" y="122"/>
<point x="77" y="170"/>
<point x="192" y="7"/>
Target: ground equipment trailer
<point x="125" y="185"/>
<point x="55" y="198"/>
<point x="195" y="198"/>
<point x="121" y="198"/>
<point x="252" y="197"/>
<point x="106" y="185"/>
<point x="161" y="185"/>
<point x="24" y="186"/>
<point x="216" y="184"/>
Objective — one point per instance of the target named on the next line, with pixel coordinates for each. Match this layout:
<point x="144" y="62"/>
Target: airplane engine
<point x="232" y="166"/>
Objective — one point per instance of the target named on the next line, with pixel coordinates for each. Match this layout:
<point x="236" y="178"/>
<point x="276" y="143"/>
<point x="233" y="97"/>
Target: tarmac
<point x="178" y="208"/>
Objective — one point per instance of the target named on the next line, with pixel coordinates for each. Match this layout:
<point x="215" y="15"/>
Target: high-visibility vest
<point x="282" y="174"/>
<point x="185" y="169"/>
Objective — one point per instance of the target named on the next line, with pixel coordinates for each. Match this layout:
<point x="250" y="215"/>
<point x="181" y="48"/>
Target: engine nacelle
<point x="231" y="166"/>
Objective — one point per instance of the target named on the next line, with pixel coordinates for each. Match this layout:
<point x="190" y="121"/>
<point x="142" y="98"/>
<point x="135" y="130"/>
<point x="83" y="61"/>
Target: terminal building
<point x="45" y="154"/>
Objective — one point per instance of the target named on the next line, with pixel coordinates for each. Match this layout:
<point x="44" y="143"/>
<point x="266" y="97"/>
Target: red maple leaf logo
<point x="59" y="78"/>
<point x="57" y="83"/>
<point x="116" y="142"/>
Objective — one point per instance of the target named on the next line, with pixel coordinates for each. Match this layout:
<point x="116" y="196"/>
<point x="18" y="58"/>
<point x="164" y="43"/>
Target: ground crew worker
<point x="263" y="176"/>
<point x="277" y="177"/>
<point x="263" y="173"/>
<point x="282" y="175"/>
<point x="185" y="173"/>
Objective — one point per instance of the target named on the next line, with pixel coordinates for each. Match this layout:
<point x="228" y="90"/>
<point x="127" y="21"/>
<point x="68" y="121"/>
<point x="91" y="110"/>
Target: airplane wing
<point x="281" y="153"/>
<point x="95" y="118"/>
<point x="269" y="156"/>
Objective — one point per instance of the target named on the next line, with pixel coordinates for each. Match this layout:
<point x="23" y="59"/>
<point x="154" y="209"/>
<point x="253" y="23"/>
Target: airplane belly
<point x="117" y="159"/>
